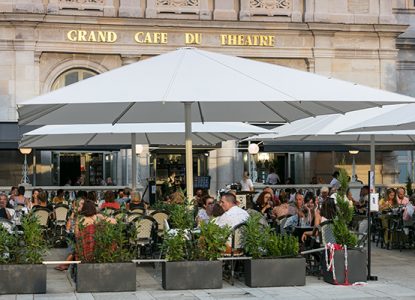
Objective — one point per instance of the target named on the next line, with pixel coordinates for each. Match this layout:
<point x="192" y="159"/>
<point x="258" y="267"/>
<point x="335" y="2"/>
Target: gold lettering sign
<point x="98" y="36"/>
<point x="151" y="37"/>
<point x="247" y="40"/>
<point x="193" y="38"/>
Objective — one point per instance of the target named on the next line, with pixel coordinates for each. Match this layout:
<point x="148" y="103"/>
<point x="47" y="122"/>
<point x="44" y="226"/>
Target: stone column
<point x="390" y="171"/>
<point x="226" y="10"/>
<point x="109" y="8"/>
<point x="297" y="12"/>
<point x="225" y="164"/>
<point x="213" y="172"/>
<point x="6" y="6"/>
<point x="129" y="59"/>
<point x="151" y="11"/>
<point x="205" y="7"/>
<point x="131" y="8"/>
<point x="386" y="15"/>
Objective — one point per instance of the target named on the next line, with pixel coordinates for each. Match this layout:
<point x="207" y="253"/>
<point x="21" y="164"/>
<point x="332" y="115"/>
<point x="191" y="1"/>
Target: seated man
<point x="233" y="215"/>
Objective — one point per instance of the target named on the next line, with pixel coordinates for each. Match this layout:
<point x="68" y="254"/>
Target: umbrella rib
<point x="90" y="139"/>
<point x="173" y="78"/>
<point x="202" y="138"/>
<point x="410" y="137"/>
<point x="40" y="114"/>
<point x="275" y="112"/>
<point x="199" y="105"/>
<point x="123" y="113"/>
<point x="246" y="75"/>
<point x="216" y="136"/>
<point x="232" y="136"/>
<point x="31" y="139"/>
<point x="330" y="107"/>
<point x="147" y="138"/>
<point x="300" y="109"/>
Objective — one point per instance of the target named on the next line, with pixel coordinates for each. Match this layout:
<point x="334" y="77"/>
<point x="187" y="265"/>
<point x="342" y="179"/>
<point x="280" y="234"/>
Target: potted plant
<point x="336" y="268"/>
<point x="108" y="268"/>
<point x="275" y="260"/>
<point x="21" y="257"/>
<point x="192" y="258"/>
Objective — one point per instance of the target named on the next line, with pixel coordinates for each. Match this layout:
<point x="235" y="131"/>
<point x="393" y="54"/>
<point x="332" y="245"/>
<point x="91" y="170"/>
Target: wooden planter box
<point x="106" y="277"/>
<point x="275" y="272"/>
<point x="23" y="279"/>
<point x="190" y="275"/>
<point x="357" y="267"/>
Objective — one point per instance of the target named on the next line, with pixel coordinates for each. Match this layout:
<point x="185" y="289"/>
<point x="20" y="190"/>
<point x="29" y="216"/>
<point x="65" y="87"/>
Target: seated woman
<point x="264" y="204"/>
<point x="325" y="213"/>
<point x="110" y="202"/>
<point x="136" y="202"/>
<point x="43" y="201"/>
<point x="205" y="212"/>
<point x="386" y="205"/>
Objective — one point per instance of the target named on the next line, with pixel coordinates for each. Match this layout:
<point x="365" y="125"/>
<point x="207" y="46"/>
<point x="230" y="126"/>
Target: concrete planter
<point x="275" y="272"/>
<point x="23" y="279"/>
<point x="189" y="275"/>
<point x="106" y="277"/>
<point x="357" y="267"/>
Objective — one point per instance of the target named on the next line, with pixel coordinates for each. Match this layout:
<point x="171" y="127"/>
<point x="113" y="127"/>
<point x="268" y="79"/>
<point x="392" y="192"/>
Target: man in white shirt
<point x="273" y="177"/>
<point x="233" y="215"/>
<point x="335" y="183"/>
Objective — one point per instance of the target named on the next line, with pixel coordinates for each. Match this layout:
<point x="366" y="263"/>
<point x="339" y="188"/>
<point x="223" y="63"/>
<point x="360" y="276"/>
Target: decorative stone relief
<point x="268" y="8"/>
<point x="193" y="9"/>
<point x="178" y="3"/>
<point x="358" y="6"/>
<point x="82" y="4"/>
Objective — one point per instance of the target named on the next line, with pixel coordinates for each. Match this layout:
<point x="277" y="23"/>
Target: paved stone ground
<point x="396" y="272"/>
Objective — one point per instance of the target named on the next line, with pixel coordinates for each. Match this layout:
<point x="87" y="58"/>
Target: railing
<point x="6" y="189"/>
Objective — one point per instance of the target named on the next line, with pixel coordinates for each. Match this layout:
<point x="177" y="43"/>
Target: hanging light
<point x="253" y="149"/>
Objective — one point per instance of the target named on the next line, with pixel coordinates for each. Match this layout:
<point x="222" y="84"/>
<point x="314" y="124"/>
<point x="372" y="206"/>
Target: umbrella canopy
<point x="146" y="133"/>
<point x="213" y="87"/>
<point x="393" y="117"/>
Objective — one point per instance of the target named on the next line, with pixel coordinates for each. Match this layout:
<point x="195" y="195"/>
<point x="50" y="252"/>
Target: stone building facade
<point x="364" y="41"/>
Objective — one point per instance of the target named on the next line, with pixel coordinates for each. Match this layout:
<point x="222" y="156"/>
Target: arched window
<point x="72" y="76"/>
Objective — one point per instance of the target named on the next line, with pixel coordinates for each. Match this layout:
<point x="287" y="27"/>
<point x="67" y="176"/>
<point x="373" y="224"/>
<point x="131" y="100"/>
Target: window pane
<point x="71" y="78"/>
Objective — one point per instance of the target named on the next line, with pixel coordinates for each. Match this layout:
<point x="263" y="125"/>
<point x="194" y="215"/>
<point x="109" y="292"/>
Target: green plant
<point x="212" y="241"/>
<point x="344" y="214"/>
<point x="262" y="241"/>
<point x="181" y="217"/>
<point x="27" y="248"/>
<point x="107" y="243"/>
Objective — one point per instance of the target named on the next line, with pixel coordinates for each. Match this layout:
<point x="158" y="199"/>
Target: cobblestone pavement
<point x="396" y="272"/>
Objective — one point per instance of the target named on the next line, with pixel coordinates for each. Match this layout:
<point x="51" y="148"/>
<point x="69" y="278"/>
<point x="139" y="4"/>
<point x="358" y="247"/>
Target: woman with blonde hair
<point x="136" y="202"/>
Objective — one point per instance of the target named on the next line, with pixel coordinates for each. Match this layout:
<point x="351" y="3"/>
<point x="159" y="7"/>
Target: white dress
<point x="246" y="185"/>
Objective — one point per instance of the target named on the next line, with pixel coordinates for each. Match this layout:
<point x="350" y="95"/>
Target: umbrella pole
<point x="369" y="221"/>
<point x="189" y="153"/>
<point x="133" y="162"/>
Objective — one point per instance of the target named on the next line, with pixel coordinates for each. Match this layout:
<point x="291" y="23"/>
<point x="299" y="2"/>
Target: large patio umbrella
<point x="190" y="84"/>
<point x="209" y="133"/>
<point x="394" y="117"/>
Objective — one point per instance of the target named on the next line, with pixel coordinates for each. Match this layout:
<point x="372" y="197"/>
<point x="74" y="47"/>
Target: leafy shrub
<point x="261" y="241"/>
<point x="344" y="214"/>
<point x="212" y="241"/>
<point x="26" y="248"/>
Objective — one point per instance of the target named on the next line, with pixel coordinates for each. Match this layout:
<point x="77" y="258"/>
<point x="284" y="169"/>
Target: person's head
<point x="227" y="201"/>
<point x="109" y="196"/>
<point x="136" y="197"/>
<point x="309" y="200"/>
<point x="400" y="192"/>
<point x="299" y="200"/>
<point x="21" y="190"/>
<point x="109" y="180"/>
<point x="89" y="209"/>
<point x="271" y="170"/>
<point x="59" y="193"/>
<point x="328" y="209"/>
<point x="217" y="210"/>
<point x="391" y="195"/>
<point x="324" y="192"/>
<point x="264" y="198"/>
<point x="199" y="193"/>
<point x="364" y="190"/>
<point x="121" y="193"/>
<point x="127" y="192"/>
<point x="245" y="175"/>
<point x="91" y="196"/>
<point x="13" y="191"/>
<point x="283" y="196"/>
<point x="3" y="200"/>
<point x="43" y="196"/>
<point x="335" y="174"/>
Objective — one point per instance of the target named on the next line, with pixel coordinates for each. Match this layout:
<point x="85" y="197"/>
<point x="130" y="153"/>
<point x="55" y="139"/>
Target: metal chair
<point x="132" y="216"/>
<point x="236" y="249"/>
<point x="145" y="233"/>
<point x="43" y="217"/>
<point x="160" y="216"/>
